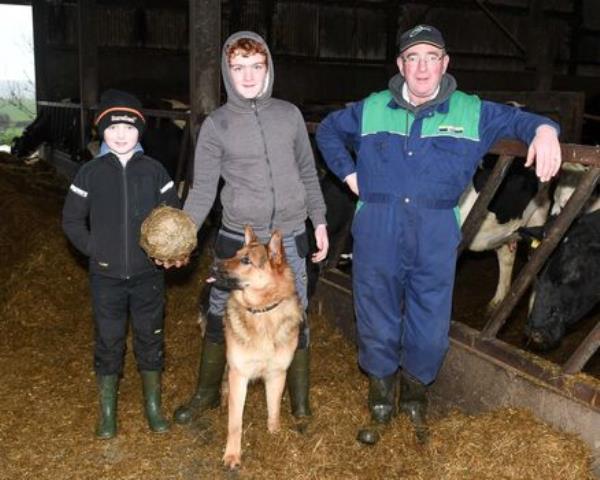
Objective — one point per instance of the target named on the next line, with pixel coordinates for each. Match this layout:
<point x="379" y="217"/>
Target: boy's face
<point x="248" y="74"/>
<point x="121" y="138"/>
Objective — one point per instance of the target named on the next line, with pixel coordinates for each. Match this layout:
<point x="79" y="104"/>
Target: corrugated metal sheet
<point x="167" y="28"/>
<point x="296" y="28"/>
<point x="330" y="31"/>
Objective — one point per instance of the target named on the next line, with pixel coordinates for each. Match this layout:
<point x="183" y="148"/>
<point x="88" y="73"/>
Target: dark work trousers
<point x="403" y="276"/>
<point x="113" y="299"/>
<point x="227" y="244"/>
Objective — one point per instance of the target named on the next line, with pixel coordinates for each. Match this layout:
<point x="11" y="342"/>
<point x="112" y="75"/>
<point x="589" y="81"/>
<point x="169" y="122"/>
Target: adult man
<point x="419" y="143"/>
<point x="260" y="147"/>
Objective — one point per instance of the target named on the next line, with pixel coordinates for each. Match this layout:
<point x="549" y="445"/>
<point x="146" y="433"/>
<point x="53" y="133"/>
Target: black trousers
<point x="113" y="300"/>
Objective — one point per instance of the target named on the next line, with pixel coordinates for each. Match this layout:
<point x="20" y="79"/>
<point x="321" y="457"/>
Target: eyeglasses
<point x="428" y="58"/>
<point x="256" y="67"/>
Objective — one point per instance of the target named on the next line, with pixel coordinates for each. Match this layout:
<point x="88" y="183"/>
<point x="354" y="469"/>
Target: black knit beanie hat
<point x="117" y="106"/>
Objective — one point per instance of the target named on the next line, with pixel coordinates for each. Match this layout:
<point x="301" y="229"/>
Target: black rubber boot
<point x="108" y="386"/>
<point x="152" y="401"/>
<point x="381" y="406"/>
<point x="298" y="383"/>
<point x="413" y="402"/>
<point x="208" y="390"/>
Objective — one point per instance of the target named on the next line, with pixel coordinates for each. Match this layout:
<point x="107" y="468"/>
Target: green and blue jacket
<point x="426" y="158"/>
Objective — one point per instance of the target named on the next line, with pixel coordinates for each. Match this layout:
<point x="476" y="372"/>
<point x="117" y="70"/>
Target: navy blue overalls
<point x="411" y="171"/>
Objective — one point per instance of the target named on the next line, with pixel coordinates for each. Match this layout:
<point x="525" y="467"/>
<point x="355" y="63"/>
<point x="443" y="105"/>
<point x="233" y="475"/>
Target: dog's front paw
<point x="273" y="425"/>
<point x="232" y="461"/>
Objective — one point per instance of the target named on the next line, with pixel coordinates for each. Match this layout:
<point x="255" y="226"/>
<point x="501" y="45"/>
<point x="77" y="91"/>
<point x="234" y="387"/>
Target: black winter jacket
<point x="105" y="207"/>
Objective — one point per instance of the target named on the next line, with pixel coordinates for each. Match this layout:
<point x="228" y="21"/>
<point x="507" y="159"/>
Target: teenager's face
<point x="248" y="74"/>
<point x="422" y="66"/>
<point x="121" y="138"/>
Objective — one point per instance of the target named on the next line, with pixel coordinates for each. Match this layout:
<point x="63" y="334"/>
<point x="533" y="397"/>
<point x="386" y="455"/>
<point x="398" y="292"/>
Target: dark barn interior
<point x="542" y="54"/>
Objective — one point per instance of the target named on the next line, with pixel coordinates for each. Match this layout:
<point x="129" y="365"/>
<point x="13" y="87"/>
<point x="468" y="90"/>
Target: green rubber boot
<point x="413" y="402"/>
<point x="152" y="400"/>
<point x="108" y="386"/>
<point x="208" y="390"/>
<point x="298" y="383"/>
<point x="381" y="406"/>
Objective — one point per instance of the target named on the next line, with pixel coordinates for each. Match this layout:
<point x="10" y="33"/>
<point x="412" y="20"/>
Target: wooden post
<point x="88" y="63"/>
<point x="40" y="15"/>
<point x="584" y="352"/>
<point x="541" y="47"/>
<point x="479" y="211"/>
<point x="205" y="59"/>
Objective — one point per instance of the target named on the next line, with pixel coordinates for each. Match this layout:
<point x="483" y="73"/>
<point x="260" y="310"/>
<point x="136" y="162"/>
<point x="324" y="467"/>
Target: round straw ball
<point x="168" y="234"/>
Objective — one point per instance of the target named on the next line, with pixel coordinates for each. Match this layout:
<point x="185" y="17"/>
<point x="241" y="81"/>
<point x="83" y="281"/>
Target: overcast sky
<point x="16" y="43"/>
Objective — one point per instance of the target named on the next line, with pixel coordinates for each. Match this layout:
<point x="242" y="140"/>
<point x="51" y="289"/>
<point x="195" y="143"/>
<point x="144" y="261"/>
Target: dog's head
<point x="259" y="270"/>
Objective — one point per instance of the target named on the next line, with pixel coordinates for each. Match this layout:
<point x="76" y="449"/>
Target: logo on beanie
<point x="418" y="29"/>
<point x="122" y="118"/>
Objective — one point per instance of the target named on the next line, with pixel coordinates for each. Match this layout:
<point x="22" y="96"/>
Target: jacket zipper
<point x="125" y="220"/>
<point x="262" y="134"/>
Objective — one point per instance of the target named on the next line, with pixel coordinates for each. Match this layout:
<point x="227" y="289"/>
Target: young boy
<point x="260" y="147"/>
<point x="106" y="204"/>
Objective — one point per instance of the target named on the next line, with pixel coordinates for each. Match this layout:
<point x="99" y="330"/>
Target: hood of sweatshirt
<point x="447" y="88"/>
<point x="234" y="99"/>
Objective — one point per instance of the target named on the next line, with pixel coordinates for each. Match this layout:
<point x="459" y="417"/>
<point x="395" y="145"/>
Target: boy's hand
<point x="175" y="263"/>
<point x="322" y="241"/>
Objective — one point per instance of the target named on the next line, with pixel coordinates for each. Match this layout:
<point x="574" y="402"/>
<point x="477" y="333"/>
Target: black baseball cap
<point x="421" y="34"/>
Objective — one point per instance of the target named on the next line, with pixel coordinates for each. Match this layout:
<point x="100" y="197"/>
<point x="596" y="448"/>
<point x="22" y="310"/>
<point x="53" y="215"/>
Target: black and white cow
<point x="567" y="288"/>
<point x="42" y="130"/>
<point x="519" y="201"/>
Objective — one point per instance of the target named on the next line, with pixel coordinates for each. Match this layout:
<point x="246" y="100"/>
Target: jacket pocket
<point x="302" y="246"/>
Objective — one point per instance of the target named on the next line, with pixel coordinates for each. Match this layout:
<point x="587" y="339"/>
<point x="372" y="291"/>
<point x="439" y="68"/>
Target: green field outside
<point x="16" y="115"/>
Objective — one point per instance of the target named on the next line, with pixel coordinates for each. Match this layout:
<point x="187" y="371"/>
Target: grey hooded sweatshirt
<point x="261" y="149"/>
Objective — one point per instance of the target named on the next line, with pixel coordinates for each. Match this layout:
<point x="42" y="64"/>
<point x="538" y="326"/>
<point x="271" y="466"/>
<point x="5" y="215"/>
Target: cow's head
<point x="566" y="289"/>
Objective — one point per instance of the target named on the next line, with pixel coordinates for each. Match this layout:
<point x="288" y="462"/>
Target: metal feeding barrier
<point x="68" y="141"/>
<point x="585" y="155"/>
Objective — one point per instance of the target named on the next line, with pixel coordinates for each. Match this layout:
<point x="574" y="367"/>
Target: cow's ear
<point x="249" y="236"/>
<point x="276" y="254"/>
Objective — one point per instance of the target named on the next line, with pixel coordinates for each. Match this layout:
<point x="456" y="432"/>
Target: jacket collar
<point x="440" y="102"/>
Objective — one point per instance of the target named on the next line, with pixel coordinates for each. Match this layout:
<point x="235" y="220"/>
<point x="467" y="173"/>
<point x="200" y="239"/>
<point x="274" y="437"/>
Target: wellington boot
<point x="108" y="386"/>
<point x="298" y="382"/>
<point x="208" y="390"/>
<point x="381" y="406"/>
<point x="152" y="401"/>
<point x="413" y="402"/>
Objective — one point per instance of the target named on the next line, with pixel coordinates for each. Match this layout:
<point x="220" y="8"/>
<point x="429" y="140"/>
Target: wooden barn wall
<point x="330" y="50"/>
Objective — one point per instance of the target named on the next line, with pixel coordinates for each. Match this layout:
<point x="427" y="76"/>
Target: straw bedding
<point x="49" y="400"/>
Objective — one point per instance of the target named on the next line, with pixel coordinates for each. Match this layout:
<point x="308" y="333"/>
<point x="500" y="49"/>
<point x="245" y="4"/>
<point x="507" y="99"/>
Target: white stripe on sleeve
<point x="78" y="191"/>
<point x="168" y="186"/>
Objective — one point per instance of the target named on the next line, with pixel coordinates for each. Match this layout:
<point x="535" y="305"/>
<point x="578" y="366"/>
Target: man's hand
<point x="352" y="183"/>
<point x="174" y="263"/>
<point x="322" y="241"/>
<point x="545" y="149"/>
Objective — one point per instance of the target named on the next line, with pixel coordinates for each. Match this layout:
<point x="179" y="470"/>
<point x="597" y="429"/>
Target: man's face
<point x="248" y="74"/>
<point x="422" y="66"/>
<point x="121" y="138"/>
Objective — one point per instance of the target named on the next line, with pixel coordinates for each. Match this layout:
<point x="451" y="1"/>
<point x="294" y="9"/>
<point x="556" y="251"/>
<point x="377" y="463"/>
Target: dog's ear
<point x="249" y="236"/>
<point x="276" y="248"/>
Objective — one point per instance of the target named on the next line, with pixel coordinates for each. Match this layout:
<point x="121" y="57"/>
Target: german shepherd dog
<point x="262" y="320"/>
